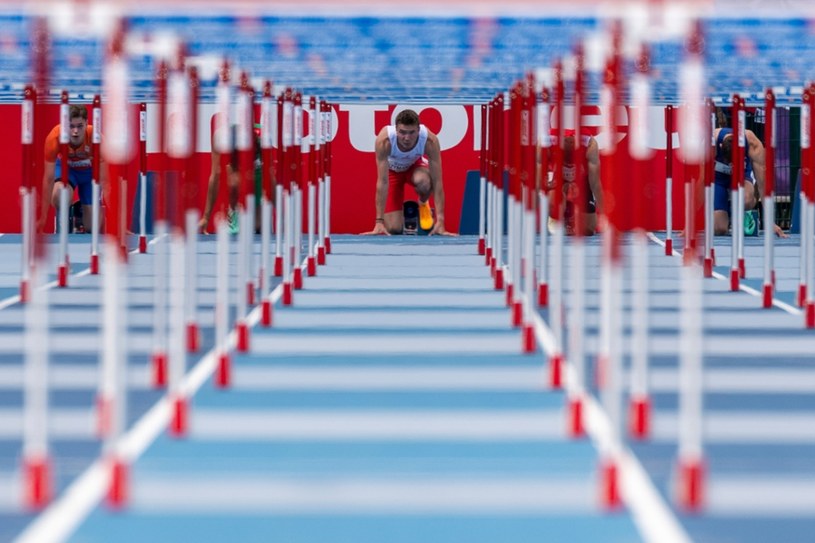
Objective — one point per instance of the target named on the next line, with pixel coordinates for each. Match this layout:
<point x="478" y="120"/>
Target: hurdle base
<point x="576" y="429"/>
<point x="810" y="314"/>
<point x="510" y="291"/>
<point x="193" y="337"/>
<point x="178" y="416"/>
<point x="159" y="373"/>
<point x="321" y="255"/>
<point x="734" y="279"/>
<point x="327" y="243"/>
<point x="266" y="313"/>
<point x="482" y="246"/>
<point x="802" y="295"/>
<point x="278" y="266"/>
<point x="499" y="278"/>
<point x="556" y="371"/>
<point x="767" y="296"/>
<point x="223" y="371"/>
<point x="488" y="255"/>
<point x="543" y="294"/>
<point x="529" y="343"/>
<point x="311" y="266"/>
<point x="669" y="247"/>
<point x="142" y="244"/>
<point x="250" y="293"/>
<point x="118" y="489"/>
<point x="493" y="267"/>
<point x="298" y="278"/>
<point x="708" y="267"/>
<point x="610" y="497"/>
<point x="62" y="275"/>
<point x="287" y="298"/>
<point x="690" y="489"/>
<point x="38" y="489"/>
<point x="742" y="269"/>
<point x="242" y="332"/>
<point x="94" y="264"/>
<point x="517" y="313"/>
<point x="640" y="417"/>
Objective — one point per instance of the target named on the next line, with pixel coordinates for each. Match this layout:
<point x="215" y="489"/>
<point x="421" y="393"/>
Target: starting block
<point x="411" y="226"/>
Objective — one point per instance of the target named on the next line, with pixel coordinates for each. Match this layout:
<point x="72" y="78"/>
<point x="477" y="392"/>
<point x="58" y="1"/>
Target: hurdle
<point x="244" y="145"/>
<point x="267" y="125"/>
<point x="556" y="305"/>
<point x="544" y="113"/>
<point x="95" y="142"/>
<point x="807" y="291"/>
<point x="28" y="191"/>
<point x="63" y="262"/>
<point x="770" y="136"/>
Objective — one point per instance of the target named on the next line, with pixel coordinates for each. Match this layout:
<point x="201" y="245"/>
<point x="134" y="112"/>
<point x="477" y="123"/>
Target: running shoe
<point x="425" y="216"/>
<point x="232" y="221"/>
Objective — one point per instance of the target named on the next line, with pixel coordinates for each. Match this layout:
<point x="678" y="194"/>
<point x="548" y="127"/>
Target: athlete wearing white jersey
<point x="408" y="153"/>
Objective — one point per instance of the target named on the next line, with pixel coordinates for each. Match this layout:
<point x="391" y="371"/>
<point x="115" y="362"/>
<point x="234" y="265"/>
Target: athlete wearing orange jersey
<point x="80" y="166"/>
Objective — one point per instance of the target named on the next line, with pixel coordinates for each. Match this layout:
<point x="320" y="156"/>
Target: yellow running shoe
<point x="425" y="216"/>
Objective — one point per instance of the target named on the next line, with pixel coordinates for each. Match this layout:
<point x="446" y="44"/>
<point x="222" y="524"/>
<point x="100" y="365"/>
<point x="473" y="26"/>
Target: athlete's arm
<point x="755" y="150"/>
<point x="433" y="151"/>
<point x="382" y="147"/>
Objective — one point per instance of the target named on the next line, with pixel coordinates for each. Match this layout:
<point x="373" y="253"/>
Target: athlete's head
<point x="407" y="129"/>
<point x="78" y="118"/>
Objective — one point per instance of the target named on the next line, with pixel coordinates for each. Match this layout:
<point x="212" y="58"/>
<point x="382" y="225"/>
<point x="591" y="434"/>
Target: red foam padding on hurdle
<point x="640" y="417"/>
<point x="159" y="370"/>
<point x="178" y="417"/>
<point x="499" y="279"/>
<point x="691" y="484"/>
<point x="556" y="370"/>
<point x="24" y="293"/>
<point x="488" y="254"/>
<point x="288" y="294"/>
<point x="327" y="243"/>
<point x="311" y="266"/>
<point x="298" y="278"/>
<point x="543" y="294"/>
<point x="493" y="266"/>
<point x="517" y="313"/>
<point x="278" y="266"/>
<point x="529" y="343"/>
<point x="266" y="313"/>
<point x="118" y="489"/>
<point x="142" y="244"/>
<point x="223" y="371"/>
<point x="37" y="482"/>
<point x="482" y="246"/>
<point x="734" y="280"/>
<point x="62" y="276"/>
<point x="104" y="416"/>
<point x="94" y="264"/>
<point x="708" y="267"/>
<point x="767" y="296"/>
<point x="669" y="247"/>
<point x="575" y="428"/>
<point x="610" y="497"/>
<point x="321" y="255"/>
<point x="810" y="315"/>
<point x="242" y="331"/>
<point x="802" y="295"/>
<point x="742" y="269"/>
<point x="193" y="337"/>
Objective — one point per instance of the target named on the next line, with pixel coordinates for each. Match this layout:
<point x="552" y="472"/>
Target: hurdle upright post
<point x="544" y="112"/>
<point x="694" y="123"/>
<point x="245" y="148"/>
<point x="142" y="177"/>
<point x="191" y="217"/>
<point x="267" y="125"/>
<point x="27" y="194"/>
<point x="313" y="159"/>
<point x="482" y="183"/>
<point x="669" y="157"/>
<point x="556" y="306"/>
<point x="808" y="217"/>
<point x="710" y="160"/>
<point x="771" y="138"/>
<point x="576" y="384"/>
<point x="807" y="174"/>
<point x="736" y="195"/>
<point x="640" y="404"/>
<point x="66" y="191"/>
<point x="96" y="140"/>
